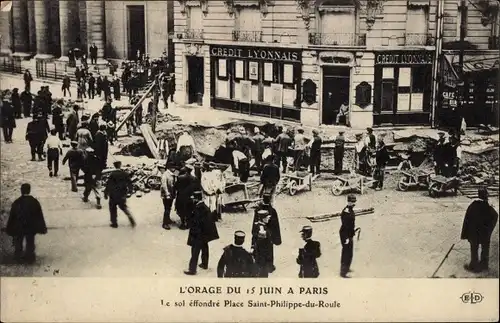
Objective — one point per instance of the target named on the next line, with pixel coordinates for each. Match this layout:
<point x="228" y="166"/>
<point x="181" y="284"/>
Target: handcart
<point x="295" y="182"/>
<point x="236" y="196"/>
<point x="414" y="177"/>
<point x="351" y="182"/>
<point x="441" y="184"/>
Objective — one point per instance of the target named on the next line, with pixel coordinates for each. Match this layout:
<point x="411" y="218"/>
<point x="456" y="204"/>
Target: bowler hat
<point x="262" y="213"/>
<point x="482" y="193"/>
<point x="239" y="234"/>
<point x="306" y="229"/>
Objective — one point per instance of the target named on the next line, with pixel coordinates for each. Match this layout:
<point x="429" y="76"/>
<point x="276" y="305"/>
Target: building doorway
<point x="195" y="79"/>
<point x="136" y="31"/>
<point x="336" y="83"/>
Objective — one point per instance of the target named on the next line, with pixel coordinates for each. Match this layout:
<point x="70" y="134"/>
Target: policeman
<point x="346" y="232"/>
<point x="308" y="255"/>
<point x="273" y="226"/>
<point x="235" y="261"/>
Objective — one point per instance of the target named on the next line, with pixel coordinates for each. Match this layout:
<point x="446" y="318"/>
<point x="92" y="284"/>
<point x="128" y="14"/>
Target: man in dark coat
<point x="184" y="188"/>
<point x="116" y="189"/>
<point x="98" y="83"/>
<point x="381" y="158"/>
<point x="347" y="231"/>
<point x="75" y="157"/>
<point x="339" y="152"/>
<point x="479" y="222"/>
<point x="90" y="171"/>
<point x="8" y="120"/>
<point x="72" y="122"/>
<point x="27" y="80"/>
<point x="25" y="221"/>
<point x="262" y="243"/>
<point x="101" y="148"/>
<point x="308" y="255"/>
<point x="16" y="103"/>
<point x="235" y="261"/>
<point x="269" y="178"/>
<point x="36" y="134"/>
<point x="106" y="88"/>
<point x="66" y="85"/>
<point x="439" y="154"/>
<point x="202" y="231"/>
<point x="91" y="88"/>
<point x="105" y="111"/>
<point x="273" y="225"/>
<point x="283" y="142"/>
<point x="258" y="149"/>
<point x="94" y="124"/>
<point x="27" y="102"/>
<point x="315" y="153"/>
<point x="57" y="118"/>
<point x="93" y="54"/>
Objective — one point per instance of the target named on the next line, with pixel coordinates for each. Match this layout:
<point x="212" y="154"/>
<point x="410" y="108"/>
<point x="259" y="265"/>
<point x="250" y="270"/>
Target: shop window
<point x="459" y="20"/>
<point x="411" y="87"/>
<point x="387" y="97"/>
<point x="222" y="80"/>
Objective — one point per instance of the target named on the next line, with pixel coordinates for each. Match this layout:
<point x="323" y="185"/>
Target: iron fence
<point x="337" y="39"/>
<point x="193" y="34"/>
<point x="11" y="65"/>
<point x="419" y="39"/>
<point x="247" y="35"/>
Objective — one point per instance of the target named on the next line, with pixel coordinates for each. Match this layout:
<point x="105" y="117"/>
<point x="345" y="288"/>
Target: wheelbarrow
<point x="440" y="185"/>
<point x="298" y="181"/>
<point x="414" y="178"/>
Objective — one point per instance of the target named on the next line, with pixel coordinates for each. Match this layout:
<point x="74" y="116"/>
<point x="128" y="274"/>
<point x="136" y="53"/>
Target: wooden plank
<point x="150" y="139"/>
<point x="331" y="215"/>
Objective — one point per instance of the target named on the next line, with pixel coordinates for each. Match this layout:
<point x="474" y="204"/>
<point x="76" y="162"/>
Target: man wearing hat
<point x="106" y="110"/>
<point x="184" y="188"/>
<point x="75" y="158"/>
<point x="381" y="158"/>
<point x="242" y="165"/>
<point x="360" y="154"/>
<point x="72" y="122"/>
<point x="167" y="192"/>
<point x="269" y="178"/>
<point x="479" y="222"/>
<point x="16" y="103"/>
<point x="8" y="119"/>
<point x="101" y="148"/>
<point x="36" y="134"/>
<point x="338" y="152"/>
<point x="258" y="149"/>
<point x="27" y="102"/>
<point x="273" y="225"/>
<point x="90" y="171"/>
<point x="202" y="231"/>
<point x="117" y="187"/>
<point x="235" y="261"/>
<point x="308" y="255"/>
<point x="315" y="152"/>
<point x="347" y="231"/>
<point x="300" y="144"/>
<point x="66" y="85"/>
<point x="283" y="143"/>
<point x="439" y="154"/>
<point x="370" y="140"/>
<point x="94" y="124"/>
<point x="262" y="244"/>
<point x="57" y="118"/>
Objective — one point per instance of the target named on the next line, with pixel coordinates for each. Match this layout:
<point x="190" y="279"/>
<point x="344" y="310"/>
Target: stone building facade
<point x="49" y="28"/>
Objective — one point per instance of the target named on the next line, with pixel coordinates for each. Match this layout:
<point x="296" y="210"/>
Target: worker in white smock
<point x="213" y="184"/>
<point x="185" y="146"/>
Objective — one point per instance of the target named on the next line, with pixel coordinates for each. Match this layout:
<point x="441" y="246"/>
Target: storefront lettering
<point x="251" y="53"/>
<point x="403" y="59"/>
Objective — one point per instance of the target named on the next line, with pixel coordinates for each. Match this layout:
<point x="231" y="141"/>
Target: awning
<point x="5" y="6"/>
<point x="336" y="3"/>
<point x="477" y="63"/>
<point x="418" y="3"/>
<point x="449" y="75"/>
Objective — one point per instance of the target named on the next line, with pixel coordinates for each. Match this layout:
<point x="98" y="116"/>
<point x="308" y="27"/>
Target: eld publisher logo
<point x="472" y="298"/>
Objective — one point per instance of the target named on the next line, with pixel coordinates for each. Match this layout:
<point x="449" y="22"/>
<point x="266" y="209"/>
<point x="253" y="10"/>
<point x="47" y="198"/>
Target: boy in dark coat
<point x="202" y="231"/>
<point x="235" y="261"/>
<point x="308" y="255"/>
<point x="25" y="221"/>
<point x="479" y="222"/>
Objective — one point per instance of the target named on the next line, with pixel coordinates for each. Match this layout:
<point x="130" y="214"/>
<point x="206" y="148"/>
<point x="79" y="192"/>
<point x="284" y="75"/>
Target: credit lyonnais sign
<point x="273" y="54"/>
<point x="404" y="58"/>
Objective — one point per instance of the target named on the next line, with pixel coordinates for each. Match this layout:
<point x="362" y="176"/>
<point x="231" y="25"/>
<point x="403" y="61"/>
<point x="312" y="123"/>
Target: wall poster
<point x="239" y="70"/>
<point x="253" y="71"/>
<point x="222" y="68"/>
<point x="404" y="102"/>
<point x="288" y="73"/>
<point x="246" y="91"/>
<point x="404" y="77"/>
<point x="277" y="95"/>
<point x="417" y="102"/>
<point x="268" y="72"/>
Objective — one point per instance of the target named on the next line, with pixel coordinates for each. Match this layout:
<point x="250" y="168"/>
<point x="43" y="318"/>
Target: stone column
<point x="21" y="31"/>
<point x="68" y="22"/>
<point x="42" y="29"/>
<point x="5" y="33"/>
<point x="31" y="26"/>
<point x="96" y="27"/>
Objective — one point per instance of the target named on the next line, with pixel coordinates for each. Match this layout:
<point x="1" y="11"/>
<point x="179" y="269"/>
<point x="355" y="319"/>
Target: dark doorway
<point x="136" y="31"/>
<point x="195" y="79"/>
<point x="336" y="82"/>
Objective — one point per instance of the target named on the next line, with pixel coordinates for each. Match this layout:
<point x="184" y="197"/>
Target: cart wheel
<point x="433" y="189"/>
<point x="337" y="188"/>
<point x="153" y="182"/>
<point x="403" y="185"/>
<point x="292" y="190"/>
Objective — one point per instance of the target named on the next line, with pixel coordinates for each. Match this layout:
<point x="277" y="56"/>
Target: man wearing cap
<point x="300" y="144"/>
<point x="315" y="152"/>
<point x="167" y="192"/>
<point x="235" y="261"/>
<point x="258" y="149"/>
<point x="57" y="118"/>
<point x="202" y="231"/>
<point x="54" y="150"/>
<point x="338" y="152"/>
<point x="440" y="154"/>
<point x="479" y="222"/>
<point x="308" y="255"/>
<point x="75" y="158"/>
<point x="66" y="85"/>
<point x="269" y="178"/>
<point x="117" y="187"/>
<point x="273" y="225"/>
<point x="262" y="244"/>
<point x="90" y="170"/>
<point x="184" y="188"/>
<point x="283" y="142"/>
<point x="72" y="122"/>
<point x="105" y="110"/>
<point x="347" y="231"/>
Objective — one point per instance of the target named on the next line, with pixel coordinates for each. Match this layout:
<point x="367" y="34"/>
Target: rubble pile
<point x="167" y="117"/>
<point x="137" y="148"/>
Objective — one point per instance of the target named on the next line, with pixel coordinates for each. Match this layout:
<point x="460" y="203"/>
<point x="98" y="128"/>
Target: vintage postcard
<point x="249" y="160"/>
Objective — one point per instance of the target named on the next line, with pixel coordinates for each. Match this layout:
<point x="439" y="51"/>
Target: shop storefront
<point x="256" y="81"/>
<point x="402" y="91"/>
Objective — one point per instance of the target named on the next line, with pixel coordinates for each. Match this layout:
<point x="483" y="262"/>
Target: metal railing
<point x="494" y="42"/>
<point x="10" y="65"/>
<point x="337" y="39"/>
<point x="247" y="35"/>
<point x="419" y="39"/>
<point x="193" y="34"/>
